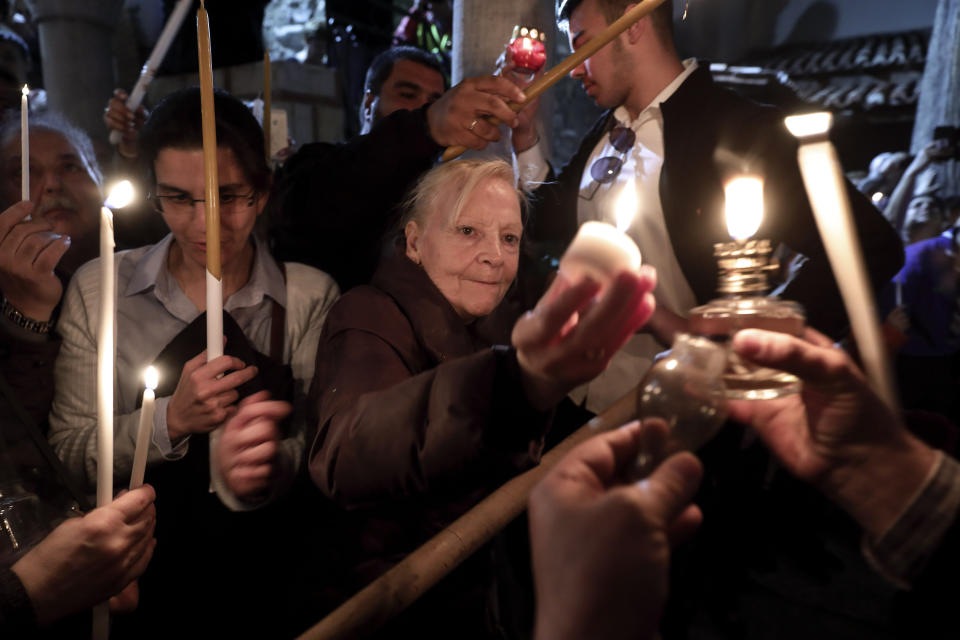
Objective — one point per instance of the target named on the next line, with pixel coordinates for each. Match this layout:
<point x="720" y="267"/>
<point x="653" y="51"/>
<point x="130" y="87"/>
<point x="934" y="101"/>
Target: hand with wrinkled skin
<point x="86" y="560"/>
<point x="29" y="252"/>
<point x="837" y="434"/>
<point x="247" y="448"/>
<point x="202" y="400"/>
<point x="570" y="336"/>
<point x="450" y="116"/>
<point x="601" y="547"/>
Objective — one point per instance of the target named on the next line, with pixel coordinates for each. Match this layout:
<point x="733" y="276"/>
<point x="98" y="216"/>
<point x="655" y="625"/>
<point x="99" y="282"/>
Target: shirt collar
<point x="652" y="110"/>
<point x="266" y="279"/>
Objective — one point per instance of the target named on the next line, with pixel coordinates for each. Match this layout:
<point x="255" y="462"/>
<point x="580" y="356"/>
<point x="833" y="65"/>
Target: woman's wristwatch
<point x="13" y="314"/>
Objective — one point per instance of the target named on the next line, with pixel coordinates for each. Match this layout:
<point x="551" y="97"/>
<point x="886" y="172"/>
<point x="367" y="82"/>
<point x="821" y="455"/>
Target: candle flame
<point x="626" y="207"/>
<point x="151" y="379"/>
<point x="120" y="195"/>
<point x="26" y="90"/>
<point x="811" y="124"/>
<point x="744" y="210"/>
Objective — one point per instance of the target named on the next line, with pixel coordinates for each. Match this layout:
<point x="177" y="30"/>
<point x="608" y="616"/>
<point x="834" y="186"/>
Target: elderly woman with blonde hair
<point x="418" y="416"/>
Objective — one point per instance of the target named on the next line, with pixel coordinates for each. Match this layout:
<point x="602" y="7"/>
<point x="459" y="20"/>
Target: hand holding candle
<point x="153" y="63"/>
<point x="150" y="379"/>
<point x="119" y="197"/>
<point x="600" y="250"/>
<point x="571" y="62"/>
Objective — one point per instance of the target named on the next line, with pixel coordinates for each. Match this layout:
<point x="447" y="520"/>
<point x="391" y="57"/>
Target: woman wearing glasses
<point x="274" y="314"/>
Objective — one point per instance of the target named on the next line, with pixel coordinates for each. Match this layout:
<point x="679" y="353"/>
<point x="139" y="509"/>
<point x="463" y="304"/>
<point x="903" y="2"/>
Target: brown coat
<point x="418" y="418"/>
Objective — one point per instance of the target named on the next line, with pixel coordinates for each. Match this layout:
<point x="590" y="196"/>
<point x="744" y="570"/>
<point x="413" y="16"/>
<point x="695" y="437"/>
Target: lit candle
<point x="827" y="191"/>
<point x="120" y="196"/>
<point x="267" y="121"/>
<point x="150" y="380"/>
<point x="600" y="250"/>
<point x="150" y="67"/>
<point x="212" y="202"/>
<point x="25" y="143"/>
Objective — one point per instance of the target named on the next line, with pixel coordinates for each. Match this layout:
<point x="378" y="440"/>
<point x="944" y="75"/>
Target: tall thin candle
<point x="826" y="189"/>
<point x="25" y="143"/>
<point x="212" y="202"/>
<point x="119" y="197"/>
<point x="267" y="116"/>
<point x="153" y="63"/>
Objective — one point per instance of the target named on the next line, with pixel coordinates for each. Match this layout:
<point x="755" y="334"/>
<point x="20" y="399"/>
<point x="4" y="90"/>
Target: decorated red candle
<point x="527" y="49"/>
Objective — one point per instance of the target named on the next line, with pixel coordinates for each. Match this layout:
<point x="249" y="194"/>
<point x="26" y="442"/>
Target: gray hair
<point x="459" y="177"/>
<point x="56" y="123"/>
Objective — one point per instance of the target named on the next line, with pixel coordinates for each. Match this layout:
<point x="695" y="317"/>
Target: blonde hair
<point x="458" y="178"/>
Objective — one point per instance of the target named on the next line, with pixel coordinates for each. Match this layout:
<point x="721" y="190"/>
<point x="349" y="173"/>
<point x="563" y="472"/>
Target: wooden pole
<point x="399" y="587"/>
<point x="571" y="62"/>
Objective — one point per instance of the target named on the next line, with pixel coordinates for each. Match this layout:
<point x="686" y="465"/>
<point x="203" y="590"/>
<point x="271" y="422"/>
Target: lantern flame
<point x="744" y="206"/>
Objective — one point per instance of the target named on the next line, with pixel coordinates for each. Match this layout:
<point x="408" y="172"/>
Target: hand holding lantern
<point x="744" y="264"/>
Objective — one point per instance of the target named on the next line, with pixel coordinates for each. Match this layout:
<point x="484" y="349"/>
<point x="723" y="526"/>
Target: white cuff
<point x="531" y="166"/>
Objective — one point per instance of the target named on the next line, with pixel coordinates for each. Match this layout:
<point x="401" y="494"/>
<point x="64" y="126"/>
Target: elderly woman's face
<point x="473" y="259"/>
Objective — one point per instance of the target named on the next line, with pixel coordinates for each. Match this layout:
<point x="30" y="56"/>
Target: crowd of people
<point x="397" y="345"/>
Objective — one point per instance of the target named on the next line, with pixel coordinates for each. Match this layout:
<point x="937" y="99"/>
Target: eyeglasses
<point x="605" y="169"/>
<point x="178" y="204"/>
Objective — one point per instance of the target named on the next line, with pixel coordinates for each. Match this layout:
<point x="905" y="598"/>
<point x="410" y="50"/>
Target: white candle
<point x="827" y="192"/>
<point x="25" y="144"/>
<point x="150" y="67"/>
<point x="145" y="428"/>
<point x="119" y="197"/>
<point x="600" y="250"/>
<point x="105" y="360"/>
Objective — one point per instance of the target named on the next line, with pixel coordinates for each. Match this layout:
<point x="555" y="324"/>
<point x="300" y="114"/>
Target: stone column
<point x="76" y="41"/>
<point x="480" y="31"/>
<point x="939" y="102"/>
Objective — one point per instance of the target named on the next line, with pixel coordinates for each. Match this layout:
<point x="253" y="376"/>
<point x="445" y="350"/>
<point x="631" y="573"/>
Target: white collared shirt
<point x="641" y="171"/>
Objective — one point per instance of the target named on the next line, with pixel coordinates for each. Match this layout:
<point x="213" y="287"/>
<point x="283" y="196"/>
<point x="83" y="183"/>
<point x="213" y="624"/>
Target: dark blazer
<point x="705" y="124"/>
<point x="333" y="203"/>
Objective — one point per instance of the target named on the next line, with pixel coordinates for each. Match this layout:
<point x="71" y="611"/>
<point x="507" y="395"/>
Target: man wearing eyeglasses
<point x="670" y="133"/>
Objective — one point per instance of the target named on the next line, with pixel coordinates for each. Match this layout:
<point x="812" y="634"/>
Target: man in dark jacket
<point x="675" y="137"/>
